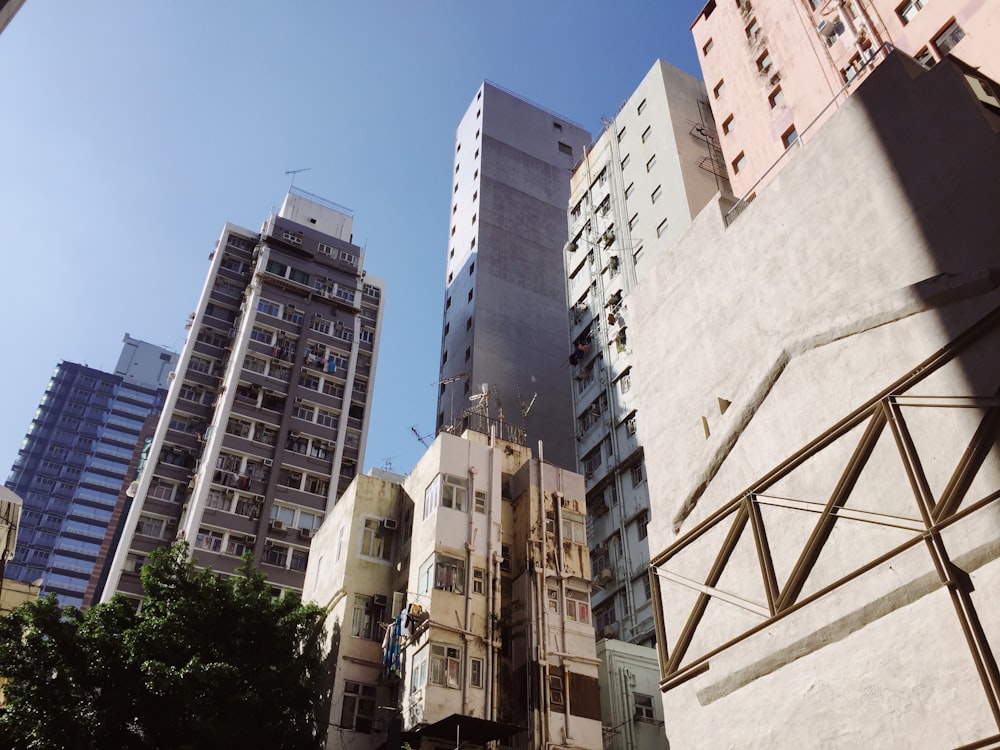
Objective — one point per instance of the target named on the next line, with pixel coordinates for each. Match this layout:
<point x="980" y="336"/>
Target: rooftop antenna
<point x="421" y="438"/>
<point x="452" y="379"/>
<point x="525" y="407"/>
<point x="387" y="463"/>
<point x="294" y="172"/>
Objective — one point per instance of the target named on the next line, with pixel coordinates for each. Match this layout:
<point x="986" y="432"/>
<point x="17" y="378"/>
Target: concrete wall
<point x="870" y="251"/>
<point x="628" y="670"/>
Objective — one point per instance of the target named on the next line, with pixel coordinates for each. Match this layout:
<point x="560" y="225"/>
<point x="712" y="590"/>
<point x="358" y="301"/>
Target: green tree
<point x="207" y="662"/>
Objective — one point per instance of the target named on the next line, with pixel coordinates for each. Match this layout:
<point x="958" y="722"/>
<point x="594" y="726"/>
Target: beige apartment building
<point x="826" y="555"/>
<point x="458" y="603"/>
<point x="777" y="69"/>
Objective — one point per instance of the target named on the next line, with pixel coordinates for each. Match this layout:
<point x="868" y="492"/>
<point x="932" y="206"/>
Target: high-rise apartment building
<point x="504" y="320"/>
<point x="458" y="603"/>
<point x="636" y="190"/>
<point x="74" y="459"/>
<point x="777" y="69"/>
<point x="265" y="422"/>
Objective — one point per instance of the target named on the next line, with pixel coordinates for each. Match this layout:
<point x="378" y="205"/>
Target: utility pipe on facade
<point x="470" y="490"/>
<point x="543" y="691"/>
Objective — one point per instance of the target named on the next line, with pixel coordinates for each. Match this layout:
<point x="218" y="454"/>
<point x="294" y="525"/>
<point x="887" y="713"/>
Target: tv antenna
<point x="293" y="173"/>
<point x="525" y="407"/>
<point x="421" y="438"/>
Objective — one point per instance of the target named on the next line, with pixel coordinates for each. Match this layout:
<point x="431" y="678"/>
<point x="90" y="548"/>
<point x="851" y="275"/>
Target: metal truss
<point x="877" y="481"/>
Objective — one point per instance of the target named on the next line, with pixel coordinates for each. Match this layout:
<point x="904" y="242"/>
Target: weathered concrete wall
<point x="871" y="251"/>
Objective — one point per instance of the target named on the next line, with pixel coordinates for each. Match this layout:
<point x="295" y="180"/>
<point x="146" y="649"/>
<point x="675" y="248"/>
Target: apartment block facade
<point x="504" y="321"/>
<point x="778" y="69"/>
<point x="634" y="192"/>
<point x="458" y="599"/>
<point x="264" y="425"/>
<point x="74" y="460"/>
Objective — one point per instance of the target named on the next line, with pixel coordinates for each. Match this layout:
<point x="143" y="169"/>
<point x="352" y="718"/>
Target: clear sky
<point x="130" y="132"/>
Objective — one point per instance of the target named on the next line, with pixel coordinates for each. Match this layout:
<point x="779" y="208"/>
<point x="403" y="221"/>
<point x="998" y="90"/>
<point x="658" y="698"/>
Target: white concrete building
<point x="477" y="566"/>
<point x="504" y="319"/>
<point x="634" y="194"/>
<point x="631" y="710"/>
<point x="826" y="553"/>
<point x="267" y="413"/>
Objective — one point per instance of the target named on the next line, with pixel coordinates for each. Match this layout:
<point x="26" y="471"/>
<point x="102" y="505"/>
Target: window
<point x="476" y="667"/>
<point x="447" y="491"/>
<point x="358" y="710"/>
<point x="638" y="475"/>
<point x="449" y="574"/>
<point x="326" y="418"/>
<point x="764" y="62"/>
<point x="707" y="46"/>
<point x="776" y="96"/>
<point x="643" y="707"/>
<point x="925" y="57"/>
<point x="656" y="194"/>
<point x="629" y="190"/>
<point x="373" y="541"/>
<point x="789" y="137"/>
<point x="625" y="161"/>
<point x="650" y="163"/>
<point x="739" y="163"/>
<point x="573" y="528"/>
<point x="633" y="222"/>
<point x="753" y="29"/>
<point x="445" y="666"/>
<point x="557" y="697"/>
<point x="719" y="88"/>
<point x="621" y="134"/>
<point x="365" y="618"/>
<point x="729" y="124"/>
<point x="565" y="148"/>
<point x="642" y="524"/>
<point x="150" y="526"/>
<point x="268" y="308"/>
<point x="947" y="39"/>
<point x="480" y="500"/>
<point x="908" y="10"/>
<point x="577" y="606"/>
<point x="209" y="540"/>
<point x="646" y="133"/>
<point x="641" y="107"/>
<point x="661" y="228"/>
<point x="478" y="581"/>
<point x="262" y="335"/>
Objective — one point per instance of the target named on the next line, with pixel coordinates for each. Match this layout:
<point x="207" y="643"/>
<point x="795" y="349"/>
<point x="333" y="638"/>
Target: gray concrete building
<point x="265" y="422"/>
<point x="826" y="554"/>
<point x="504" y="321"/>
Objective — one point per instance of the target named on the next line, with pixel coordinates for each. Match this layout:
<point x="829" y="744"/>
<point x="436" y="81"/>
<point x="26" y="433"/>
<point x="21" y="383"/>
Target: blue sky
<point x="132" y="131"/>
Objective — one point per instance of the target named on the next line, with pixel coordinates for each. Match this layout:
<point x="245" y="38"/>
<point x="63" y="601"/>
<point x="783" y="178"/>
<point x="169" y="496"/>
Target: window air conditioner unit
<point x="390" y="524"/>
<point x="251" y="539"/>
<point x="306" y="533"/>
<point x="379" y="600"/>
<point x="298" y="400"/>
<point x="293" y="435"/>
<point x="268" y="462"/>
<point x="277" y="525"/>
<point x="605" y="576"/>
<point x="610" y="631"/>
<point x="826" y="28"/>
<point x="601" y="548"/>
<point x="171" y="522"/>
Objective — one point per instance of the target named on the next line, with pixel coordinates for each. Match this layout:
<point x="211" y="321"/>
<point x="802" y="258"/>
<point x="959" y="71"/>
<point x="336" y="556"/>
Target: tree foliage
<point x="207" y="662"/>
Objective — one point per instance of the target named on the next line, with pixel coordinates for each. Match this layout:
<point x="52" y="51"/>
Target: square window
<point x="650" y="163"/>
<point x="729" y="124"/>
<point x="776" y="96"/>
<point x="707" y="46"/>
<point x="739" y="163"/>
<point x="661" y="228"/>
<point x="752" y="29"/>
<point x="646" y="133"/>
<point x="621" y="134"/>
<point x="629" y="190"/>
<point x="948" y="38"/>
<point x="719" y="88"/>
<point x="789" y="137"/>
<point x="764" y="62"/>
<point x="656" y="194"/>
<point x="641" y="107"/>
<point x="624" y="161"/>
<point x="908" y="10"/>
<point x="565" y="148"/>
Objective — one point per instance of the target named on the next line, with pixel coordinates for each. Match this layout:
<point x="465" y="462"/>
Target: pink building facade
<point x="775" y="70"/>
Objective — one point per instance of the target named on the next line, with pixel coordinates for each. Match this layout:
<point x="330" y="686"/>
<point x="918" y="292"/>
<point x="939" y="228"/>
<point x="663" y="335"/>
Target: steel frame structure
<point x="931" y="515"/>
